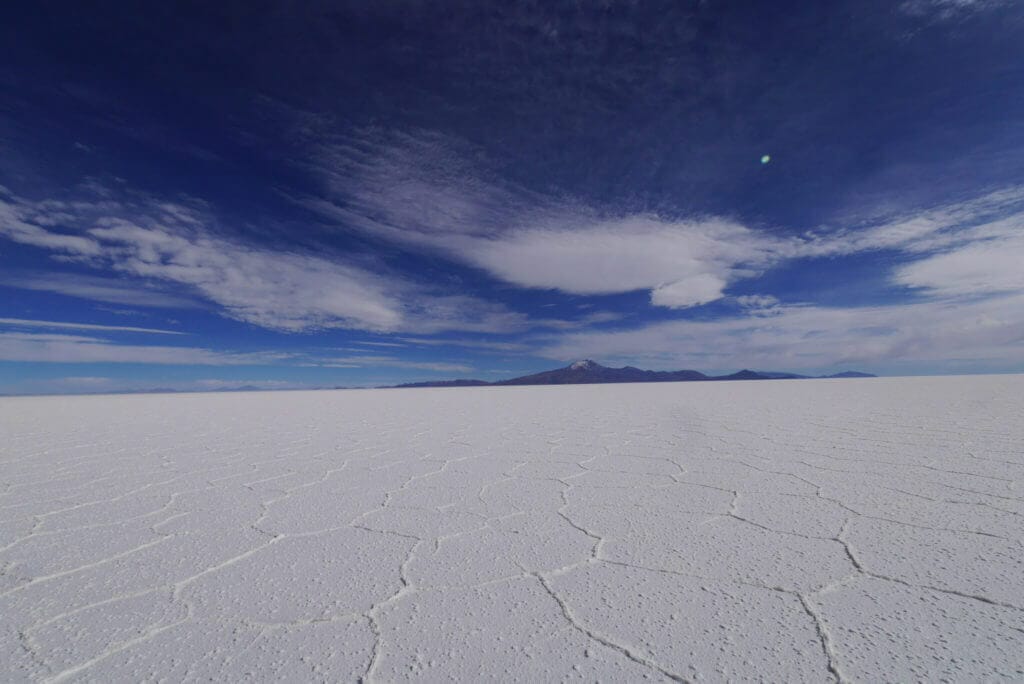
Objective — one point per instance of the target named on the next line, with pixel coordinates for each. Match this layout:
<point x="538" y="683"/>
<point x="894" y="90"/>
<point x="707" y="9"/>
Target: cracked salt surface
<point x="852" y="530"/>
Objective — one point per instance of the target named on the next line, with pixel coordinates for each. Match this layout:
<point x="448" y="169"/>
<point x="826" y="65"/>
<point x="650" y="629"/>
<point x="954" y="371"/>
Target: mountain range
<point x="590" y="372"/>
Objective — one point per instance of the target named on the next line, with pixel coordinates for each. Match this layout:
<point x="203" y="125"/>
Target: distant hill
<point x="850" y="374"/>
<point x="768" y="375"/>
<point x="447" y="383"/>
<point x="589" y="372"/>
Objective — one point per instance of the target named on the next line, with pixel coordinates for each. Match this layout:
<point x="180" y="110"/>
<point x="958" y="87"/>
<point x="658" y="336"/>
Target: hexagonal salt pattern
<point x="850" y="530"/>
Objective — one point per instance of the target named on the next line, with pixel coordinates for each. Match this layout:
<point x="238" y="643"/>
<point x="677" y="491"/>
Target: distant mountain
<point x="769" y="375"/>
<point x="850" y="374"/>
<point x="447" y="383"/>
<point x="149" y="390"/>
<point x="589" y="372"/>
<point x="743" y="375"/>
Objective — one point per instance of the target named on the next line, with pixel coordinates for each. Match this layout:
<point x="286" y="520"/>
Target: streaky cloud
<point x="65" y="325"/>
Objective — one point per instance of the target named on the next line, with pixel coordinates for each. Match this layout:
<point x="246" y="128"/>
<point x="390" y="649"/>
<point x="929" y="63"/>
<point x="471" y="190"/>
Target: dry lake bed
<point x="860" y="530"/>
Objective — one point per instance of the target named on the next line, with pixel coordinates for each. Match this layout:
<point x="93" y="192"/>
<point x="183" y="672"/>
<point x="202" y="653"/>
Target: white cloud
<point x="998" y="213"/>
<point x="759" y="305"/>
<point x="946" y="10"/>
<point x="986" y="330"/>
<point x="97" y="289"/>
<point x="285" y="291"/>
<point x="757" y="301"/>
<point x="485" y="345"/>
<point x="99" y="384"/>
<point x="585" y="321"/>
<point x="421" y="190"/>
<point x="689" y="261"/>
<point x="64" y="325"/>
<point x="282" y="290"/>
<point x="994" y="266"/>
<point x="54" y="348"/>
<point x="381" y="344"/>
<point x="14" y="227"/>
<point x="80" y="382"/>
<point x="692" y="291"/>
<point x="391" y="362"/>
<point x="418" y="191"/>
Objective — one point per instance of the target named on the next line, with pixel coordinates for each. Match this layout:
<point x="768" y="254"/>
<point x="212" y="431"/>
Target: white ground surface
<point x="868" y="530"/>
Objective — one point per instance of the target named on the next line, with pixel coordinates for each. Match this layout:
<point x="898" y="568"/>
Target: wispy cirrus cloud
<point x="980" y="331"/>
<point x="964" y="256"/>
<point x="947" y="10"/>
<point x="57" y="348"/>
<point x="964" y="249"/>
<point x="759" y="305"/>
<point x="426" y="196"/>
<point x="102" y="384"/>
<point x="20" y="224"/>
<point x="990" y="215"/>
<point x="287" y="290"/>
<point x="987" y="267"/>
<point x="64" y="325"/>
<point x="390" y="362"/>
<point x="98" y="289"/>
<point x="420" y="190"/>
<point x="380" y="344"/>
<point x="484" y="345"/>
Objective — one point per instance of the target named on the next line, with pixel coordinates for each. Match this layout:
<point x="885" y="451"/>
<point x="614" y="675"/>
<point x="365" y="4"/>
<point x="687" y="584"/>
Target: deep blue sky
<point x="202" y="195"/>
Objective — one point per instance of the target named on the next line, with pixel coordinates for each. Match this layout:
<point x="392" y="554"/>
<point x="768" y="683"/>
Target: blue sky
<point x="346" y="194"/>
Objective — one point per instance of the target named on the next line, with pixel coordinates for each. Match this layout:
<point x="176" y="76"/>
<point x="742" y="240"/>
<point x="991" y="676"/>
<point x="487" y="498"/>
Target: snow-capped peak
<point x="585" y="364"/>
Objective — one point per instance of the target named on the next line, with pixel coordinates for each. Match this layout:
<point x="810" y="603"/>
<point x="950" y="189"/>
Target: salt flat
<point x="864" y="530"/>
